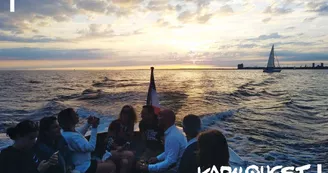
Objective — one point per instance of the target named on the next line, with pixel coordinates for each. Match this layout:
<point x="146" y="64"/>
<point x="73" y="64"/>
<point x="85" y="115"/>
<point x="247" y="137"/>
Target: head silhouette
<point x="148" y="113"/>
<point x="68" y="118"/>
<point x="191" y="125"/>
<point x="166" y="118"/>
<point x="213" y="149"/>
<point x="24" y="134"/>
<point x="49" y="130"/>
<point x="128" y="115"/>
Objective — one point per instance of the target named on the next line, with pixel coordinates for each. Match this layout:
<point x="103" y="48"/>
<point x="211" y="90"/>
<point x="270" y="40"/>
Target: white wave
<point x="209" y="120"/>
<point x="5" y="141"/>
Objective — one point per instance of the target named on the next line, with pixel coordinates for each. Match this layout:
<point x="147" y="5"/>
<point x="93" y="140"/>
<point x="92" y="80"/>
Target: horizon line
<point x="83" y="69"/>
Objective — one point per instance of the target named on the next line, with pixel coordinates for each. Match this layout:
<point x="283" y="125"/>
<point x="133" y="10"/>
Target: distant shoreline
<point x="230" y="68"/>
<point x="285" y="68"/>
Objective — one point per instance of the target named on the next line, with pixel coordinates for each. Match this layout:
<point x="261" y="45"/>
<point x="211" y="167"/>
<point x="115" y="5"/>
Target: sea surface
<point x="268" y="119"/>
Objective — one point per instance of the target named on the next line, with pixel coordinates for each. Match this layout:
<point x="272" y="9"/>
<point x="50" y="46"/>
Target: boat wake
<point x="209" y="120"/>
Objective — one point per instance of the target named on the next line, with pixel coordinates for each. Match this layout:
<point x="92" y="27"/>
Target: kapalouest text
<point x="260" y="169"/>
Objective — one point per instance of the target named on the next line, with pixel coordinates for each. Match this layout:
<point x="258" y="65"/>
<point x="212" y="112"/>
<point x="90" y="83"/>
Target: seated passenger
<point x="120" y="133"/>
<point x="50" y="141"/>
<point x="192" y="127"/>
<point x="20" y="158"/>
<point x="151" y="133"/>
<point x="121" y="130"/>
<point x="213" y="150"/>
<point x="175" y="144"/>
<point x="80" y="147"/>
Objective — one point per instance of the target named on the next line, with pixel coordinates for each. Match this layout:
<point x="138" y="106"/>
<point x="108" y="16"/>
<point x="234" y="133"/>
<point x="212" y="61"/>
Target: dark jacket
<point x="45" y="151"/>
<point x="188" y="162"/>
<point x="13" y="160"/>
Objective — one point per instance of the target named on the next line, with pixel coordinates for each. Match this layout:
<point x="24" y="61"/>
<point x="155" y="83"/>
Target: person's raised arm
<point x="83" y="130"/>
<point x="79" y="143"/>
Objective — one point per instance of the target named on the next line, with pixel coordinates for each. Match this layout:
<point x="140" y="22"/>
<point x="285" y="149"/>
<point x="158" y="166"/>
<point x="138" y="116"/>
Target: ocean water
<point x="268" y="119"/>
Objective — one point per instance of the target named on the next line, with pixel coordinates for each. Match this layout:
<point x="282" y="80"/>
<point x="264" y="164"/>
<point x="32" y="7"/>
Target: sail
<point x="271" y="58"/>
<point x="152" y="97"/>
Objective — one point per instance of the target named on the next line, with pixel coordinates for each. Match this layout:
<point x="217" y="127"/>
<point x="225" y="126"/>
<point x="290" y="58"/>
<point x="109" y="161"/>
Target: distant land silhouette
<point x="321" y="66"/>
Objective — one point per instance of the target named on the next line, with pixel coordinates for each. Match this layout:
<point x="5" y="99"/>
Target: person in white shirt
<point x="78" y="144"/>
<point x="175" y="144"/>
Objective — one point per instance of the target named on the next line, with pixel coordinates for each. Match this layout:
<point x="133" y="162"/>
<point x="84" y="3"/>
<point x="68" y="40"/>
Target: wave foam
<point x="208" y="120"/>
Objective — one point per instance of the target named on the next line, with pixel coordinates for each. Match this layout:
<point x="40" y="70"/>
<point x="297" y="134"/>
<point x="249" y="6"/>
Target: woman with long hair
<point x="213" y="150"/>
<point x="19" y="157"/>
<point x="121" y="130"/>
<point x="120" y="133"/>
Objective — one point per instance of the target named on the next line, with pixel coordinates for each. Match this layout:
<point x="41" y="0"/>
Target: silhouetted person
<point x="120" y="132"/>
<point x="151" y="133"/>
<point x="78" y="144"/>
<point x="175" y="143"/>
<point x="20" y="158"/>
<point x="213" y="150"/>
<point x="50" y="141"/>
<point x="191" y="127"/>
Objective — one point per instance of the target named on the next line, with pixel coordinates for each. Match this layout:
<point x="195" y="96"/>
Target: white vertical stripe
<point x="154" y="97"/>
<point x="12" y="5"/>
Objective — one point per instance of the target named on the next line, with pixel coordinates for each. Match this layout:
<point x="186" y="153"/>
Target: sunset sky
<point x="61" y="34"/>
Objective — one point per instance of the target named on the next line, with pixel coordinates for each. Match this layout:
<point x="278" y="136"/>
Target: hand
<point x="138" y="165"/>
<point x="90" y="119"/>
<point x="43" y="166"/>
<point x="95" y="122"/>
<point x="53" y="160"/>
<point x="153" y="160"/>
<point x="142" y="167"/>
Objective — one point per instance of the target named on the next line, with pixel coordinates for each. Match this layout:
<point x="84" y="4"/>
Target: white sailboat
<point x="271" y="68"/>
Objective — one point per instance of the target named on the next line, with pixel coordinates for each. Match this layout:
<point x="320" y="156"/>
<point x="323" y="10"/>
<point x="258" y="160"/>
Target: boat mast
<point x="277" y="61"/>
<point x="273" y="55"/>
